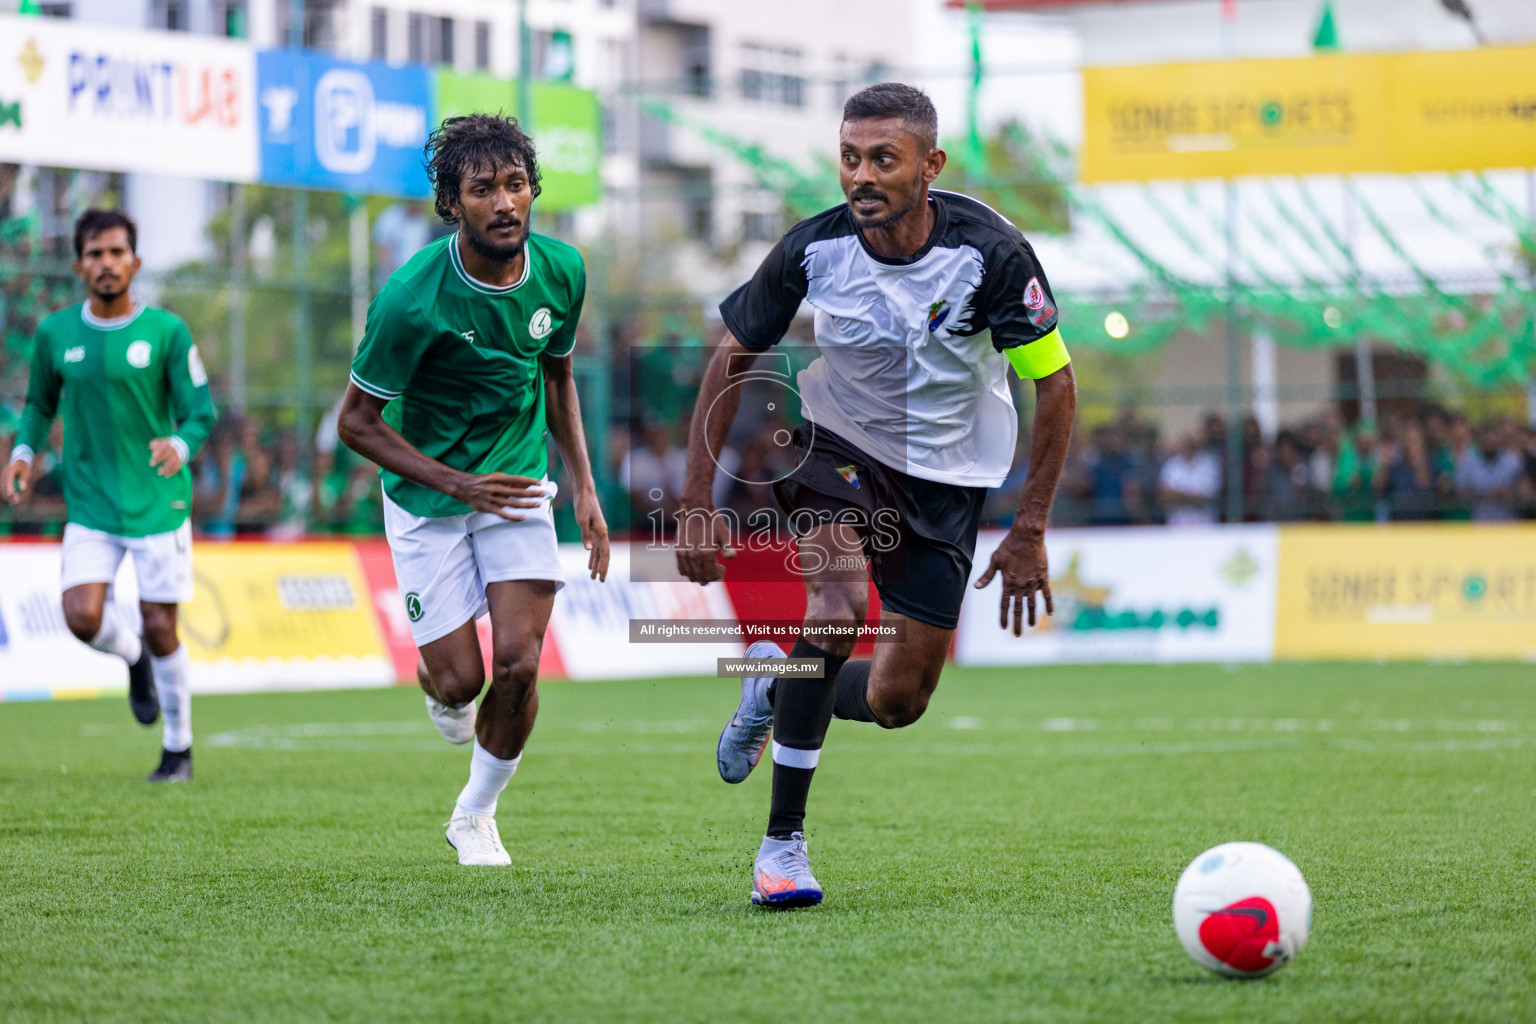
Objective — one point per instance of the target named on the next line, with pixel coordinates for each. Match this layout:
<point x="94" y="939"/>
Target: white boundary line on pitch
<point x="416" y="735"/>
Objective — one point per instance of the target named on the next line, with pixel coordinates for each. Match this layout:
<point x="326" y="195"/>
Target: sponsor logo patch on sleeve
<point x="195" y="368"/>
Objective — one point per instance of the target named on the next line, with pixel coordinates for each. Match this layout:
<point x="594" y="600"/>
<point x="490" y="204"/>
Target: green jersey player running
<point x="131" y="388"/>
<point x="465" y="363"/>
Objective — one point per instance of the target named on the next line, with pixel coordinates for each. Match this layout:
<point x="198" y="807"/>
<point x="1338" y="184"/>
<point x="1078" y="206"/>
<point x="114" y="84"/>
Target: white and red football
<point x="1242" y="909"/>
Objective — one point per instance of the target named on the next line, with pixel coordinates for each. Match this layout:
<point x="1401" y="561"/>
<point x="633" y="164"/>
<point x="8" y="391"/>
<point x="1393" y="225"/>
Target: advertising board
<point x="1140" y="594"/>
<point x="114" y="99"/>
<point x="332" y="124"/>
<point x="566" y="125"/>
<point x="39" y="657"/>
<point x="1324" y="114"/>
<point x="1442" y="591"/>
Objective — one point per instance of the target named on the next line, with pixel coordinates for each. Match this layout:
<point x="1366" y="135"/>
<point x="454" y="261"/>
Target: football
<point x="1242" y="910"/>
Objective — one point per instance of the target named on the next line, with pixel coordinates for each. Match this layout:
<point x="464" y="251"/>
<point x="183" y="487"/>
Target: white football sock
<point x="114" y="636"/>
<point x="488" y="776"/>
<point x="173" y="684"/>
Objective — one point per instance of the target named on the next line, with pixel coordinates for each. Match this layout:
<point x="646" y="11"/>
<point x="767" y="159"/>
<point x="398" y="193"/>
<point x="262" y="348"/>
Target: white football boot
<point x="477" y="840"/>
<point x="456" y="724"/>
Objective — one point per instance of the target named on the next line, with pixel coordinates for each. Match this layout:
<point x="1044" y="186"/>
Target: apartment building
<point x="669" y="72"/>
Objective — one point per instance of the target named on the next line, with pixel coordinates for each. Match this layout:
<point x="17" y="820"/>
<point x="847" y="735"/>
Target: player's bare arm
<point x="707" y="434"/>
<point x="562" y="413"/>
<point x="362" y="428"/>
<point x="1020" y="558"/>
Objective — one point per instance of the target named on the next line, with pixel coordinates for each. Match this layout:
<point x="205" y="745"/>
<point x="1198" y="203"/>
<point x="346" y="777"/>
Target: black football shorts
<point x="919" y="535"/>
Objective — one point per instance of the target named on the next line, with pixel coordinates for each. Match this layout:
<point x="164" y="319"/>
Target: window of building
<point x="759" y="227"/>
<point x="698" y="204"/>
<point x="319" y="23"/>
<point x="482" y="46"/>
<point x="229" y="19"/>
<point x="416" y="38"/>
<point x="554" y="54"/>
<point x="772" y="74"/>
<point x="610" y="128"/>
<point x="697" y="72"/>
<point x="170" y="15"/>
<point x="378" y="34"/>
<point x="430" y="39"/>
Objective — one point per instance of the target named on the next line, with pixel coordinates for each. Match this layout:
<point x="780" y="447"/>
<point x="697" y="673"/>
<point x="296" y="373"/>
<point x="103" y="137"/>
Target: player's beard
<point x="504" y="253"/>
<point x="108" y="292"/>
<point x="889" y="220"/>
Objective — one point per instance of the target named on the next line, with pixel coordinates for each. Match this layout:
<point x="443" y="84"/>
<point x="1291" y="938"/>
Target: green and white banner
<point x="566" y="124"/>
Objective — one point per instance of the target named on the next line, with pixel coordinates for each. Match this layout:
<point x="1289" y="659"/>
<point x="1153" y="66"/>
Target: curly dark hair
<point x="464" y="144"/>
<point x="94" y="222"/>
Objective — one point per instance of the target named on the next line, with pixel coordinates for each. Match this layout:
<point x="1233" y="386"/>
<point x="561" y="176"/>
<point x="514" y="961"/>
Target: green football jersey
<point x="458" y="361"/>
<point x="118" y="384"/>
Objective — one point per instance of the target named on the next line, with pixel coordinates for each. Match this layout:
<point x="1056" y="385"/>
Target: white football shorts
<point x="161" y="561"/>
<point x="443" y="563"/>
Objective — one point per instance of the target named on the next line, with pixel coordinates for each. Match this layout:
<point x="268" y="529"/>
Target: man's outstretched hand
<point x="698" y="562"/>
<point x="1021" y="560"/>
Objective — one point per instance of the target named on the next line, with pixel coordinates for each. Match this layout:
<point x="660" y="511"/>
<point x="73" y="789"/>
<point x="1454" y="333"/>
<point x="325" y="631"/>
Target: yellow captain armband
<point x="1039" y="358"/>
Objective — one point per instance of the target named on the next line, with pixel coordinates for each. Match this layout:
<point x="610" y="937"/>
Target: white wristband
<point x="23" y="453"/>
<point x="181" y="448"/>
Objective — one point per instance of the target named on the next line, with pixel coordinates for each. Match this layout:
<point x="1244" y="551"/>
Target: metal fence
<point x="276" y="313"/>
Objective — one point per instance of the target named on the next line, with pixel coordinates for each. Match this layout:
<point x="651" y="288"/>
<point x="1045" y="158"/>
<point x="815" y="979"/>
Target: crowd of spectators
<point x="252" y="478"/>
<point x="249" y="479"/>
<point x="1434" y="464"/>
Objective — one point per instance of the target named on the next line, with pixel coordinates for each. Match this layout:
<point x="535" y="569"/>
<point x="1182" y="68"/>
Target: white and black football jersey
<point x="903" y="372"/>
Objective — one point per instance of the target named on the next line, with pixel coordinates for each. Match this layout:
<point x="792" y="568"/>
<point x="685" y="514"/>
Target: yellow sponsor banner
<point x="1465" y="110"/>
<point x="1330" y="114"/>
<point x="1384" y="592"/>
<point x="265" y="601"/>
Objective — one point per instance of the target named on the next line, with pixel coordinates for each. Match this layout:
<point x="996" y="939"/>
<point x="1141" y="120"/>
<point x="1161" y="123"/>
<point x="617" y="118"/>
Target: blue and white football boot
<point x="745" y="736"/>
<point x="781" y="877"/>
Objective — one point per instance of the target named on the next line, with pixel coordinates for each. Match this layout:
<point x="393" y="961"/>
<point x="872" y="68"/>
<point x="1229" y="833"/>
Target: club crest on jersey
<point x="138" y="354"/>
<point x="541" y="324"/>
<point x="1037" y="308"/>
<point x="938" y="312"/>
<point x="1034" y="295"/>
<point x="850" y="474"/>
<point x="75" y="354"/>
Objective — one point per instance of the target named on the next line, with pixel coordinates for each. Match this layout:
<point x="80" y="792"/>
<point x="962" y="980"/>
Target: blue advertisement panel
<point x="332" y="124"/>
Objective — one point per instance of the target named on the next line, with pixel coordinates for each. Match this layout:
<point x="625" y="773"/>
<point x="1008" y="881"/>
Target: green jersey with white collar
<point x="118" y="384"/>
<point x="458" y="362"/>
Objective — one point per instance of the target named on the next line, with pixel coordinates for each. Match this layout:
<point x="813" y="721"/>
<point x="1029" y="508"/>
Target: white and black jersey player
<point x="922" y="300"/>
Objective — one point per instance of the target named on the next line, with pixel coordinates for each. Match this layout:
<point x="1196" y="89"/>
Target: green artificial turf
<point x="1010" y="857"/>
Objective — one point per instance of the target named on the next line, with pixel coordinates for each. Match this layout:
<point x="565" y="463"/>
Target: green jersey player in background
<point x="462" y="374"/>
<point x="128" y="381"/>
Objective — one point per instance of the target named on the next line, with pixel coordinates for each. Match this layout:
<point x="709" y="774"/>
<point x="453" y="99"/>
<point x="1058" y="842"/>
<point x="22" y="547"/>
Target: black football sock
<point x="852" y="703"/>
<point x="802" y="710"/>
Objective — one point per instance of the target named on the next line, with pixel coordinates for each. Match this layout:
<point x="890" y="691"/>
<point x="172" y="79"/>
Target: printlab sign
<point x="115" y="99"/>
<point x="330" y="124"/>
